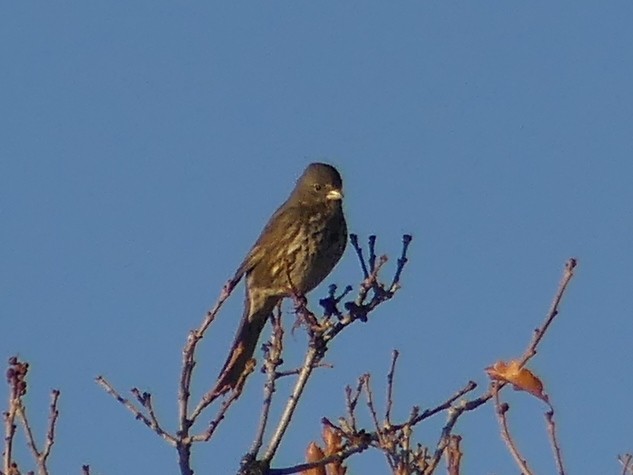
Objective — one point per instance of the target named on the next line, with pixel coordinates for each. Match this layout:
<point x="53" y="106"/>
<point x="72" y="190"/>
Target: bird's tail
<point x="244" y="345"/>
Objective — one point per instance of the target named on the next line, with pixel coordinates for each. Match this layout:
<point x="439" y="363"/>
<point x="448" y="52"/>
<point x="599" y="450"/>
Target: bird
<point x="297" y="249"/>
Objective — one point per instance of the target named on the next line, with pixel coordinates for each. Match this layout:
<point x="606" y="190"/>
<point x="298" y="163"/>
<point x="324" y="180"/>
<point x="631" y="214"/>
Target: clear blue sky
<point x="144" y="144"/>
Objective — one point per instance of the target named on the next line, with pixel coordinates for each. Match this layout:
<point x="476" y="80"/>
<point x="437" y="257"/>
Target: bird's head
<point x="320" y="183"/>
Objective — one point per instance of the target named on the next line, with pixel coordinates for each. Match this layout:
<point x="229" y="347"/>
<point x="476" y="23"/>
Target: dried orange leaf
<point x="314" y="454"/>
<point x="521" y="378"/>
<point x="333" y="444"/>
<point x="332" y="439"/>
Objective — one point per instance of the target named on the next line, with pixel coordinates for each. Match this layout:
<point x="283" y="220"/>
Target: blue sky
<point x="143" y="145"/>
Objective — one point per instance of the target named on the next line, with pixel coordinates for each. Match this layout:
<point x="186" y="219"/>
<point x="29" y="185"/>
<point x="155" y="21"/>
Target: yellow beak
<point x="334" y="195"/>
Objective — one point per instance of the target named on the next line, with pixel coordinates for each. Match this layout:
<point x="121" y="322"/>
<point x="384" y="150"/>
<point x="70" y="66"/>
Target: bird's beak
<point x="334" y="195"/>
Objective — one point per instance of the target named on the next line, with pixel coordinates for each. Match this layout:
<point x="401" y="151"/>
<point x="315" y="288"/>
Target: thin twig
<point x="374" y="416"/>
<point x="145" y="400"/>
<point x="351" y="401"/>
<point x="306" y="370"/>
<point x="138" y="414"/>
<point x="272" y="361"/>
<point x="16" y="379"/>
<point x="219" y="417"/>
<point x="392" y="370"/>
<point x="502" y="410"/>
<point x="539" y="333"/>
<point x="416" y="419"/>
<point x="371" y="241"/>
<point x="296" y="371"/>
<point x="454" y="413"/>
<point x="40" y="457"/>
<point x="188" y="362"/>
<point x="30" y="437"/>
<point x="52" y="424"/>
<point x="626" y="461"/>
<point x="353" y="239"/>
<point x="338" y="457"/>
<point x="9" y="431"/>
<point x="402" y="260"/>
<point x="551" y="430"/>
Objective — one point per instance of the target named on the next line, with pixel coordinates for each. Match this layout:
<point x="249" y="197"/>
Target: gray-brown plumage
<point x="301" y="244"/>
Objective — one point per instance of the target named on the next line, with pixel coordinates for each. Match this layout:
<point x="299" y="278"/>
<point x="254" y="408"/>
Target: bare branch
<point x="453" y="455"/>
<point x="188" y="363"/>
<point x="138" y="414"/>
<point x="551" y="430"/>
<point x="392" y="370"/>
<point x="502" y="410"/>
<point x="340" y="457"/>
<point x="272" y="361"/>
<point x="353" y="239"/>
<point x="52" y="424"/>
<point x="307" y="368"/>
<point x="16" y="379"/>
<point x="626" y="461"/>
<point x="406" y="240"/>
<point x="219" y="417"/>
<point x="539" y="333"/>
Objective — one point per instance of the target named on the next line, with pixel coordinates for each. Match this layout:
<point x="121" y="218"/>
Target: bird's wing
<point x="282" y="219"/>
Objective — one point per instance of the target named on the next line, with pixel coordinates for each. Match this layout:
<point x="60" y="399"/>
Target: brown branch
<point x="381" y="435"/>
<point x="539" y="333"/>
<point x="145" y="400"/>
<point x="392" y="370"/>
<point x="353" y="239"/>
<point x="219" y="417"/>
<point x="182" y="440"/>
<point x="272" y="361"/>
<point x="417" y="418"/>
<point x="453" y="455"/>
<point x="551" y="431"/>
<point x="454" y="413"/>
<point x="138" y="414"/>
<point x="406" y="240"/>
<point x="338" y="457"/>
<point x="308" y="366"/>
<point x="52" y="424"/>
<point x="9" y="434"/>
<point x="16" y="379"/>
<point x="296" y="371"/>
<point x="40" y="457"/>
<point x="626" y="461"/>
<point x="352" y="400"/>
<point x="501" y="411"/>
<point x="188" y="364"/>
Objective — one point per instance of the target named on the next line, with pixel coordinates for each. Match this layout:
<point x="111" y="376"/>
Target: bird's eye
<point x="317" y="187"/>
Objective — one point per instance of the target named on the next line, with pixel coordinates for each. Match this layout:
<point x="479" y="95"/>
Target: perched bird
<point x="299" y="246"/>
